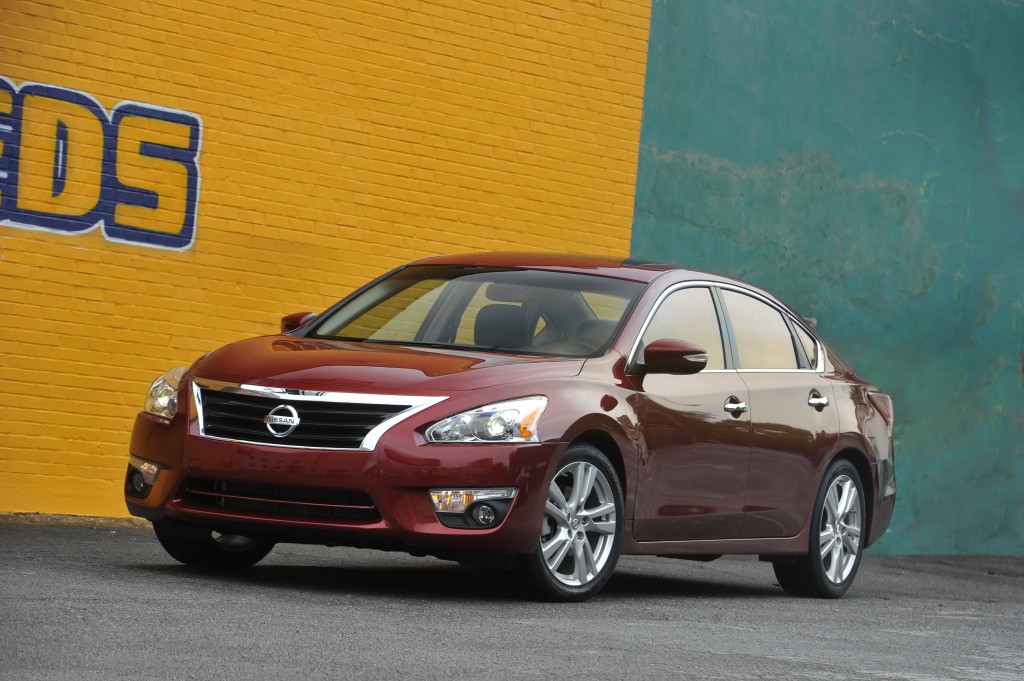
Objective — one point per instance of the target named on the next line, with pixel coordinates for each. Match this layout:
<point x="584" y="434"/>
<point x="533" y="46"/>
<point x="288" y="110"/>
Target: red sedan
<point x="542" y="412"/>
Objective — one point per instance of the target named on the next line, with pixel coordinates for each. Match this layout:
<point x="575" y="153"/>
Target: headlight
<point x="162" y="399"/>
<point x="511" y="421"/>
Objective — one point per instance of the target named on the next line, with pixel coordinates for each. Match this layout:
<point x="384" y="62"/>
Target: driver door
<point x="692" y="477"/>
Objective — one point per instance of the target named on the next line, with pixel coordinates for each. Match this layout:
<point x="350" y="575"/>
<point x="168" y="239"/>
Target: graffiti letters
<point x="67" y="166"/>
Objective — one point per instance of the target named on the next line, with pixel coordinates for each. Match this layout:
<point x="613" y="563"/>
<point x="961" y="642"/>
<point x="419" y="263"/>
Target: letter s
<point x="155" y="167"/>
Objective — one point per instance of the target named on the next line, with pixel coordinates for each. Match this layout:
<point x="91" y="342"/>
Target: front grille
<point x="322" y="424"/>
<point x="316" y="503"/>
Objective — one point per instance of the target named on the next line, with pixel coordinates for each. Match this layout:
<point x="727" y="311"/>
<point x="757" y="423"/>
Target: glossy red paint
<point x="700" y="476"/>
<point x="289" y="362"/>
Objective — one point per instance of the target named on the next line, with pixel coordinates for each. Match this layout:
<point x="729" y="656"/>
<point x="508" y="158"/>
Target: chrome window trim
<point x="776" y="371"/>
<point x="818" y="369"/>
<point x="418" y="402"/>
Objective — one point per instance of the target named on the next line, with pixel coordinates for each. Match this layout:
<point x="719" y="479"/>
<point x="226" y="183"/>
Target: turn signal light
<point x="458" y="500"/>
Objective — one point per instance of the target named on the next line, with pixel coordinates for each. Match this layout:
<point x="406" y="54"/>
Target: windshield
<point x="480" y="308"/>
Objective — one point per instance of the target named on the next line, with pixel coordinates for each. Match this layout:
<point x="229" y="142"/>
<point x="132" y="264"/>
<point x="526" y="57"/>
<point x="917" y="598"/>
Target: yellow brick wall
<point x="339" y="139"/>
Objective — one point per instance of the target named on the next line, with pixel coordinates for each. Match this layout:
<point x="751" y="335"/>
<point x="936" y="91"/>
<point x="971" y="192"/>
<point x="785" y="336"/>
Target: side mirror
<point x="292" y="321"/>
<point x="665" y="356"/>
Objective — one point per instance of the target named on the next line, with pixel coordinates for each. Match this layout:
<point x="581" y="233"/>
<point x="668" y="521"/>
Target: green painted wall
<point x="865" y="161"/>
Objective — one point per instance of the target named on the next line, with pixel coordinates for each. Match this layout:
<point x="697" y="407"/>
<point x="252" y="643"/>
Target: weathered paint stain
<point x="866" y="163"/>
<point x="801" y="216"/>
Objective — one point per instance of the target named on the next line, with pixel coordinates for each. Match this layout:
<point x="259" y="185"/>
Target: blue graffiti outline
<point x="136" y="196"/>
<point x="10" y="213"/>
<point x="112" y="191"/>
<point x="7" y="137"/>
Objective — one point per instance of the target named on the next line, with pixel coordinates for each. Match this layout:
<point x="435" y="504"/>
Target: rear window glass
<point x="763" y="340"/>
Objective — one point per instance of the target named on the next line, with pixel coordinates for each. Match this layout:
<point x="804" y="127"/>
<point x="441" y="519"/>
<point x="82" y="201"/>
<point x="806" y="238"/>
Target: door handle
<point x="735" y="408"/>
<point x="817" y="401"/>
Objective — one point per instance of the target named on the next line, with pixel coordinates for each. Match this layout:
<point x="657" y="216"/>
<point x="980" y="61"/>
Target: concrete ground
<point x="100" y="600"/>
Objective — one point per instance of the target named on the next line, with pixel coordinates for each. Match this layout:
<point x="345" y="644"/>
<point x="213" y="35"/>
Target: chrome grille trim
<point x="415" y="404"/>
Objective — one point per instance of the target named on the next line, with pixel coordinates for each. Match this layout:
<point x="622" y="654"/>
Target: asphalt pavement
<point x="101" y="600"/>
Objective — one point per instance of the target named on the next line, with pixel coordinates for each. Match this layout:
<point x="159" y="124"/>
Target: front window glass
<point x="689" y="315"/>
<point x="503" y="310"/>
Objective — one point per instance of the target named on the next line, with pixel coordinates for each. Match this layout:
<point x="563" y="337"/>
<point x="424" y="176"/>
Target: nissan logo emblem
<point x="282" y="415"/>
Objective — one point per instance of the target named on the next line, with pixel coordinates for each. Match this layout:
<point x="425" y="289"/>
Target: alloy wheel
<point x="840" y="529"/>
<point x="578" y="532"/>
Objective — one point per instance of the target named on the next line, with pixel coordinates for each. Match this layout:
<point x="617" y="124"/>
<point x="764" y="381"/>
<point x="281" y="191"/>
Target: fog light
<point x="484" y="514"/>
<point x="141" y="475"/>
<point x="458" y="500"/>
<point x="147" y="469"/>
<point x="136" y="482"/>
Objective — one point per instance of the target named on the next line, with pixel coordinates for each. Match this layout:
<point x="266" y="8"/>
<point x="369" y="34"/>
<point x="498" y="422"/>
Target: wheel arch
<point x="859" y="460"/>
<point x="603" y="441"/>
<point x="613" y="434"/>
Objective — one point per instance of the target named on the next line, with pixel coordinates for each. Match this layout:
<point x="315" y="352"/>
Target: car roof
<point x="609" y="266"/>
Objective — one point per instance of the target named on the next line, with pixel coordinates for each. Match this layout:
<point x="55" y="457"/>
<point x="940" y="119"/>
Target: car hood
<point x="289" y="362"/>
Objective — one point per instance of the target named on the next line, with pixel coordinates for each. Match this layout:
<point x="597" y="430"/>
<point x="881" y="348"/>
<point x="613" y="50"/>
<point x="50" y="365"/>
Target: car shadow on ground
<point x="445" y="582"/>
<point x="632" y="585"/>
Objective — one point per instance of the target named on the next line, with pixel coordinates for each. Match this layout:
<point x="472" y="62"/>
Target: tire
<point x="836" y="538"/>
<point x="581" y="532"/>
<point x="205" y="548"/>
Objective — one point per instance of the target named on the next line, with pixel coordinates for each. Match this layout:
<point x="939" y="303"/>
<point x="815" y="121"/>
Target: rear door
<point x="793" y="418"/>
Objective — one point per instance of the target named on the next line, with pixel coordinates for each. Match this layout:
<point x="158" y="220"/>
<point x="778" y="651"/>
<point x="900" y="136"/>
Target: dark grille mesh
<point x="280" y="500"/>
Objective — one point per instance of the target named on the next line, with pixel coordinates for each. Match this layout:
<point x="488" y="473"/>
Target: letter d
<point x="60" y="165"/>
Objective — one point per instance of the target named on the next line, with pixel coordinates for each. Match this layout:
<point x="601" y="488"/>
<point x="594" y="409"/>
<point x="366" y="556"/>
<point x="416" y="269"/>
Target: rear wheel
<point x="206" y="548"/>
<point x="581" y="530"/>
<point x="827" y="571"/>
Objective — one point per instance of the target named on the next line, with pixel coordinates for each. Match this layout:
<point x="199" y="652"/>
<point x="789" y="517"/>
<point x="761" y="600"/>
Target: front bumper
<point x="388" y="488"/>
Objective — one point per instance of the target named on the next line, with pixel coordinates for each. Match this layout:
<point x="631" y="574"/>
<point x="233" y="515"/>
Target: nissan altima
<point x="540" y="412"/>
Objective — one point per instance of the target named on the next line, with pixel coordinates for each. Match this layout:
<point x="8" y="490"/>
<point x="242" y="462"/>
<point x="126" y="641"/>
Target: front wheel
<point x="581" y="531"/>
<point x="209" y="549"/>
<point x="836" y="541"/>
